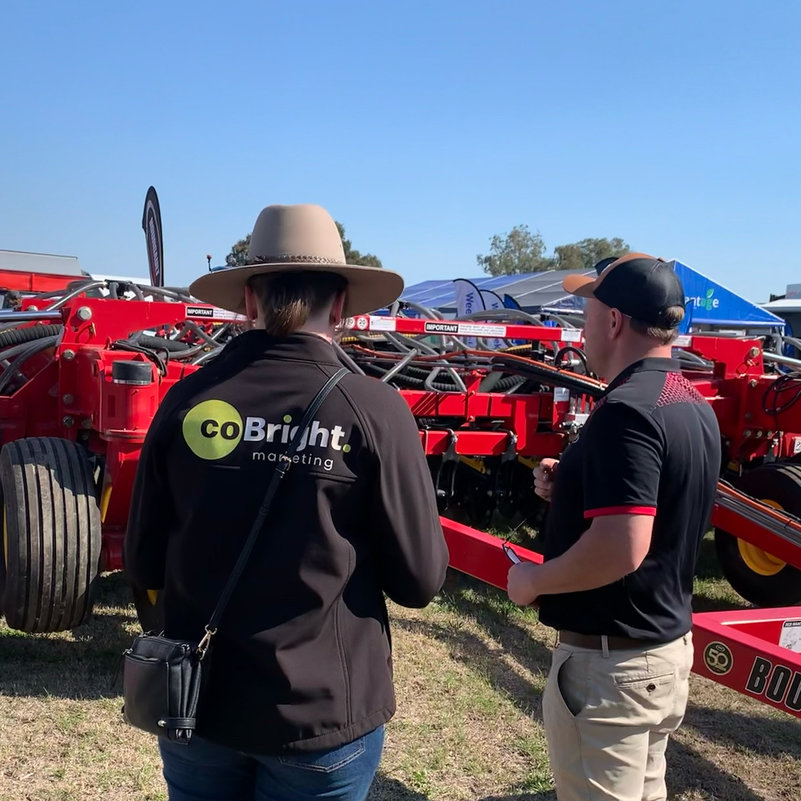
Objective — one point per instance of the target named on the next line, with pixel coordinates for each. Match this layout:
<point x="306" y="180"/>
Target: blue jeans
<point x="203" y="771"/>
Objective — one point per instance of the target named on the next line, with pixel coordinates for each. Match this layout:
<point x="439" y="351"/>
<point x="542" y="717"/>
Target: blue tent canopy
<point x="531" y="290"/>
<point x="708" y="302"/>
<point x="711" y="304"/>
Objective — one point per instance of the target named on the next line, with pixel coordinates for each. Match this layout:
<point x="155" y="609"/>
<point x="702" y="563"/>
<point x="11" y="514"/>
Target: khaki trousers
<point x="608" y="718"/>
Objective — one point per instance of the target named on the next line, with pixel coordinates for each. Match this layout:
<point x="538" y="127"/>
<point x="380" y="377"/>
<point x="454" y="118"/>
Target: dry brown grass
<point x="470" y="672"/>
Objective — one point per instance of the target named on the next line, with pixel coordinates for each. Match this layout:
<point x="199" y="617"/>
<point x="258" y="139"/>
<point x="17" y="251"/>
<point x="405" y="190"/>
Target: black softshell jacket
<point x="302" y="657"/>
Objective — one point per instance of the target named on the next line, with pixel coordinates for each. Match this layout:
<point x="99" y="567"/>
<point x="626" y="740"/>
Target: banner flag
<point x="151" y="224"/>
<point x="468" y="300"/>
<point x="492" y="301"/>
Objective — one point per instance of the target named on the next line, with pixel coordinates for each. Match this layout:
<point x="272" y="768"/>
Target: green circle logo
<point x="212" y="429"/>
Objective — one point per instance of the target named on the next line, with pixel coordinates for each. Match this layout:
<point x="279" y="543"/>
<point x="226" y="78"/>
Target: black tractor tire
<point x="780" y="484"/>
<point x="149" y="614"/>
<point x="51" y="534"/>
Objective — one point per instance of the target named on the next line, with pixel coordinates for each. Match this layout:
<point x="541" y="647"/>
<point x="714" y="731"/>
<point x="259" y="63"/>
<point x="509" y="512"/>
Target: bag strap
<point x="284" y="463"/>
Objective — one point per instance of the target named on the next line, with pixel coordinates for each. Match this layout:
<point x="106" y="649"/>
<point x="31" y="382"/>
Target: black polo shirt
<point x="651" y="446"/>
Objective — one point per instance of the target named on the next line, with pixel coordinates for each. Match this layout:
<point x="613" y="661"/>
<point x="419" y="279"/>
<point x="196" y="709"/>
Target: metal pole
<point x="28" y="316"/>
<point x="779" y="359"/>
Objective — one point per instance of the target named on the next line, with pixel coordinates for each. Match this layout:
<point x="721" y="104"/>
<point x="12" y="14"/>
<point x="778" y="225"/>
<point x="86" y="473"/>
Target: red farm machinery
<point x="84" y="367"/>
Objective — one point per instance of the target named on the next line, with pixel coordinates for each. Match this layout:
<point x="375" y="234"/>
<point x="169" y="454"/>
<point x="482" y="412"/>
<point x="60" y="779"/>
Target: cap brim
<point x="581" y="285"/>
<point x="369" y="288"/>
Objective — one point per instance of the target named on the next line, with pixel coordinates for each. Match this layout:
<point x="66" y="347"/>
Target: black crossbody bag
<point x="163" y="678"/>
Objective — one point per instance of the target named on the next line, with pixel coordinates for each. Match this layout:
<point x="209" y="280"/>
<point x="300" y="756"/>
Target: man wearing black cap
<point x="630" y="501"/>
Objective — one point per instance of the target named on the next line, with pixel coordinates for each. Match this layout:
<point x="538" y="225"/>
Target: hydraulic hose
<point x="30" y="350"/>
<point x="408" y="381"/>
<point x="85" y="287"/>
<point x="551" y="375"/>
<point x="571" y="349"/>
<point x="9" y="353"/>
<point x="162" y="343"/>
<point x="346" y="359"/>
<point x="16" y="336"/>
<point x="411" y="381"/>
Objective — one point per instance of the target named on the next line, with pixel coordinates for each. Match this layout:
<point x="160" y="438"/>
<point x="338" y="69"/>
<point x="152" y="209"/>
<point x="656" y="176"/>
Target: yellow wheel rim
<point x="760" y="561"/>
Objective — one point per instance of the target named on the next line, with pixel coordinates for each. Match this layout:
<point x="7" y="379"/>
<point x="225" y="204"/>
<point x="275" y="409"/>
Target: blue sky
<point x="425" y="127"/>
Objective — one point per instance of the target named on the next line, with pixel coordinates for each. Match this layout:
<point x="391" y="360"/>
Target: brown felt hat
<point x="300" y="238"/>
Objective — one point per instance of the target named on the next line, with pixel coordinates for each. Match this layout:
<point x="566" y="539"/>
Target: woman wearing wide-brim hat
<point x="301" y="678"/>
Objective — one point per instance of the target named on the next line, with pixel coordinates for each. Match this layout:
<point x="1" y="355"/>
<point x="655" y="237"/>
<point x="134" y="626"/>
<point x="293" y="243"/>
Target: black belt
<point x="614" y="643"/>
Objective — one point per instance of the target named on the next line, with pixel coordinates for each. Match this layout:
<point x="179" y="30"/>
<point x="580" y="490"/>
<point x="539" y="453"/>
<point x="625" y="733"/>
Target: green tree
<point x="584" y="255"/>
<point x="518" y="251"/>
<point x="352" y="256"/>
<point x="239" y="252"/>
<point x="569" y="257"/>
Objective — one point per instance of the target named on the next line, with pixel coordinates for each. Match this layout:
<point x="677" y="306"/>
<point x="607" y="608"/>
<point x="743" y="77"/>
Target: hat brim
<point x="369" y="288"/>
<point x="581" y="285"/>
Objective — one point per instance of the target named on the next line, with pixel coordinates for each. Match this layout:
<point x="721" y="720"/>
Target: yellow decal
<point x="212" y="429"/>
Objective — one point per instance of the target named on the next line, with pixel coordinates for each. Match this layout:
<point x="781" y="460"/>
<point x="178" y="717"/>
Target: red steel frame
<point x="35" y="282"/>
<point x="735" y="390"/>
<point x="738" y="649"/>
<point x="72" y="395"/>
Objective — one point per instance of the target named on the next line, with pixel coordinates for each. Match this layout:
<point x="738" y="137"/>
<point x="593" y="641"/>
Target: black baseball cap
<point x="641" y="286"/>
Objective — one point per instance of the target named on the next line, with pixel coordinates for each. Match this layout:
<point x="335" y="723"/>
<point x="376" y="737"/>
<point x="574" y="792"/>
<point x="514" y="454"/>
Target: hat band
<point x="290" y="258"/>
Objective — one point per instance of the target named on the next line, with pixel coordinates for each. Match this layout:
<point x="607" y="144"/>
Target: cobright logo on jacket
<point x="213" y="428"/>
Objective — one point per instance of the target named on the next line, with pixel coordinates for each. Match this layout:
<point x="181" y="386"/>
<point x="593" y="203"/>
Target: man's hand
<point x="522" y="583"/>
<point x="544" y="475"/>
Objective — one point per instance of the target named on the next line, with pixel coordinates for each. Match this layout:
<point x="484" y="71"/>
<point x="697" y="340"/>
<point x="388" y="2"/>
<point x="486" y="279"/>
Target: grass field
<point x="470" y="672"/>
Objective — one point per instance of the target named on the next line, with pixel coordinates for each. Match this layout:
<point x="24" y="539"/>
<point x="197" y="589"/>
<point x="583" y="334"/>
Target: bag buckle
<point x="203" y="645"/>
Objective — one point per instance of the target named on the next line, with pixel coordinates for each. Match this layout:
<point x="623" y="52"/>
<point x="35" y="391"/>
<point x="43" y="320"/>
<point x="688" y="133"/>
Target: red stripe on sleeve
<point x="621" y="510"/>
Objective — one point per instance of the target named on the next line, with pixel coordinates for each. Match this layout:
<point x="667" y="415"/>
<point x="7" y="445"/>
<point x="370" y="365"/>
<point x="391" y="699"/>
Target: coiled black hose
<point x="16" y="336"/>
<point x="161" y="343"/>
